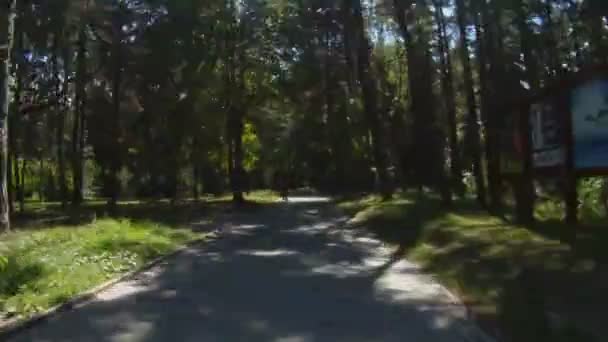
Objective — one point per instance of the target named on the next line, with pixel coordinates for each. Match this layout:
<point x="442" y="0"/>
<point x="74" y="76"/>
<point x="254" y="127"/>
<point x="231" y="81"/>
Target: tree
<point x="447" y="84"/>
<point x="4" y="107"/>
<point x="355" y="27"/>
<point x="472" y="138"/>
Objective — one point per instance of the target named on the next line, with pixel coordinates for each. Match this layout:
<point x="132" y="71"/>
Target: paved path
<point x="284" y="274"/>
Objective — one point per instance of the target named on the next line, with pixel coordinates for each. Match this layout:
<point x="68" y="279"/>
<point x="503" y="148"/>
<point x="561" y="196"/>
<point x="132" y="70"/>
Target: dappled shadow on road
<point x="285" y="273"/>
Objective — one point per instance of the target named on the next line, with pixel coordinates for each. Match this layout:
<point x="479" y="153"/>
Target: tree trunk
<point x="60" y="116"/>
<point x="115" y="163"/>
<point x="195" y="180"/>
<point x="41" y="179"/>
<point x="237" y="133"/>
<point x="5" y="223"/>
<point x="9" y="179"/>
<point x="473" y="142"/>
<point x="14" y="124"/>
<point x="447" y="84"/>
<point x="524" y="188"/>
<point x="79" y="119"/>
<point x="17" y="177"/>
<point x="370" y="94"/>
<point x="22" y="186"/>
<point x="237" y="169"/>
<point x="527" y="182"/>
<point x="485" y="38"/>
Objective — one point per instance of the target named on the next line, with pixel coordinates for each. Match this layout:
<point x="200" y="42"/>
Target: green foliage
<point x="252" y="147"/>
<point x="591" y="207"/>
<point x="590" y="196"/>
<point x="48" y="266"/>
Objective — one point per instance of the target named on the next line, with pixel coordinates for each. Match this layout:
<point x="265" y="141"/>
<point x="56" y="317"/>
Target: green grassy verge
<point x="253" y="197"/>
<point x="479" y="257"/>
<point x="45" y="267"/>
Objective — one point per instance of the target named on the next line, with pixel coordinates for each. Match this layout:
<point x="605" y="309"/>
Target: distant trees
<point x="175" y="98"/>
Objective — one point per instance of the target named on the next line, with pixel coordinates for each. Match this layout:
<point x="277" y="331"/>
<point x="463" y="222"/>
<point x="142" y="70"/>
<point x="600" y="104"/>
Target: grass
<point x="55" y="254"/>
<point x="481" y="258"/>
<point x="42" y="268"/>
<point x="255" y="197"/>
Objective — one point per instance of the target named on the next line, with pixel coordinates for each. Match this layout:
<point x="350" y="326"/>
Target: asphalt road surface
<point x="285" y="273"/>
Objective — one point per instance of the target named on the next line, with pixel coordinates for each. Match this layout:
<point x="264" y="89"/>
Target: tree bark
<point x="5" y="223"/>
<point x="447" y="85"/>
<point x="195" y="179"/>
<point x="485" y="39"/>
<point x="22" y="186"/>
<point x="115" y="163"/>
<point x="10" y="185"/>
<point x="60" y="117"/>
<point x="17" y="176"/>
<point x="473" y="142"/>
<point x="237" y="169"/>
<point x="41" y="178"/>
<point x="79" y="119"/>
<point x="527" y="182"/>
<point x="14" y="125"/>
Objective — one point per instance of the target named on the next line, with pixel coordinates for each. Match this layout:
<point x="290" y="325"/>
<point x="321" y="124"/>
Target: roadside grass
<point x="252" y="197"/>
<point x="54" y="254"/>
<point x="41" y="215"/>
<point x="43" y="268"/>
<point x="481" y="258"/>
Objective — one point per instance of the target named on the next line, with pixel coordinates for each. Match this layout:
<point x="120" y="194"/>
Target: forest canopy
<point x="167" y="98"/>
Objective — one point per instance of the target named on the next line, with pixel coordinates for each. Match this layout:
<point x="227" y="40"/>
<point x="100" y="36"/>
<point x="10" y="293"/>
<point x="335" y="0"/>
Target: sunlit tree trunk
<point x="15" y="122"/>
<point x="4" y="107"/>
<point x="472" y="135"/>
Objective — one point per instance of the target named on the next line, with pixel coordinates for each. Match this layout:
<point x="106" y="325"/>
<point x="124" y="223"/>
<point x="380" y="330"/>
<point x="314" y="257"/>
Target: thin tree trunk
<point x="237" y="169"/>
<point x="527" y="191"/>
<point x="237" y="127"/>
<point x="9" y="178"/>
<point x="17" y="177"/>
<point x="41" y="179"/>
<point x="116" y="89"/>
<point x="22" y="186"/>
<point x="447" y="84"/>
<point x="60" y="116"/>
<point x="333" y="123"/>
<point x="14" y="125"/>
<point x="195" y="180"/>
<point x="473" y="142"/>
<point x="79" y="118"/>
<point x="485" y="38"/>
<point x="5" y="223"/>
